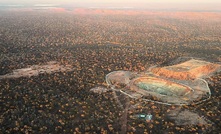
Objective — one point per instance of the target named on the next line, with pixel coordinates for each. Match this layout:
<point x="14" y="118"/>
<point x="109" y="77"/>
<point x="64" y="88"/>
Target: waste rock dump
<point x="190" y="69"/>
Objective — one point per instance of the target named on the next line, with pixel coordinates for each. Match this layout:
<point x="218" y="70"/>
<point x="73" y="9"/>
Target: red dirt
<point x="191" y="69"/>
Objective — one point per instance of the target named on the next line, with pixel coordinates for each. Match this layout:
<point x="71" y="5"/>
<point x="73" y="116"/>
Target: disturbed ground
<point x="146" y="87"/>
<point x="191" y="69"/>
<point x="35" y="70"/>
<point x="180" y="84"/>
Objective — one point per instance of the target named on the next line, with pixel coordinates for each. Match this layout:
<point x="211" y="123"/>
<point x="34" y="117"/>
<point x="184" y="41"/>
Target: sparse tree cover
<point x="96" y="45"/>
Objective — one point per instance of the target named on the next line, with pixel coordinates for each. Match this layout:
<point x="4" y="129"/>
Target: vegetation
<point x="96" y="45"/>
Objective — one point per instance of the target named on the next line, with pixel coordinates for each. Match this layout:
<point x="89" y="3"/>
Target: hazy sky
<point x="148" y="4"/>
<point x="103" y="1"/>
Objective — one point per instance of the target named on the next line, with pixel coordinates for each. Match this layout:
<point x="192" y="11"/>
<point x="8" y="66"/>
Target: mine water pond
<point x="161" y="86"/>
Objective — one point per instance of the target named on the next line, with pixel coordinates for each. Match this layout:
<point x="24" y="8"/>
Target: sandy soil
<point x="188" y="70"/>
<point x="35" y="70"/>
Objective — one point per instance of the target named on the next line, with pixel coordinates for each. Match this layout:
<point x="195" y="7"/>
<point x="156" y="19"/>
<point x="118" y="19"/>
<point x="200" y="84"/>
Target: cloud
<point x="112" y="7"/>
<point x="46" y="5"/>
<point x="11" y="5"/>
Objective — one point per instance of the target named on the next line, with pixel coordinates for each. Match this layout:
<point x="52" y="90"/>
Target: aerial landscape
<point x="110" y="67"/>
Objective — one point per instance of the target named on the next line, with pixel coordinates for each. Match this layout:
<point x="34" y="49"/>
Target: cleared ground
<point x="190" y="69"/>
<point x="35" y="70"/>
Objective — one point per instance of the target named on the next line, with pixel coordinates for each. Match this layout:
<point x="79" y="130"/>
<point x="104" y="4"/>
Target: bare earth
<point x="35" y="70"/>
<point x="188" y="70"/>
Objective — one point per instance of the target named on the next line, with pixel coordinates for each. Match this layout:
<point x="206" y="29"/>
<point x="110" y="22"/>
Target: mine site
<point x="108" y="70"/>
<point x="179" y="84"/>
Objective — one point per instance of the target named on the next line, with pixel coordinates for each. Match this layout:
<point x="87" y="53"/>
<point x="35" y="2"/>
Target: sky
<point x="155" y="4"/>
<point x="23" y="2"/>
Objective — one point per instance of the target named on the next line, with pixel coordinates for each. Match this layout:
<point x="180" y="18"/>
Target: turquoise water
<point x="154" y="88"/>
